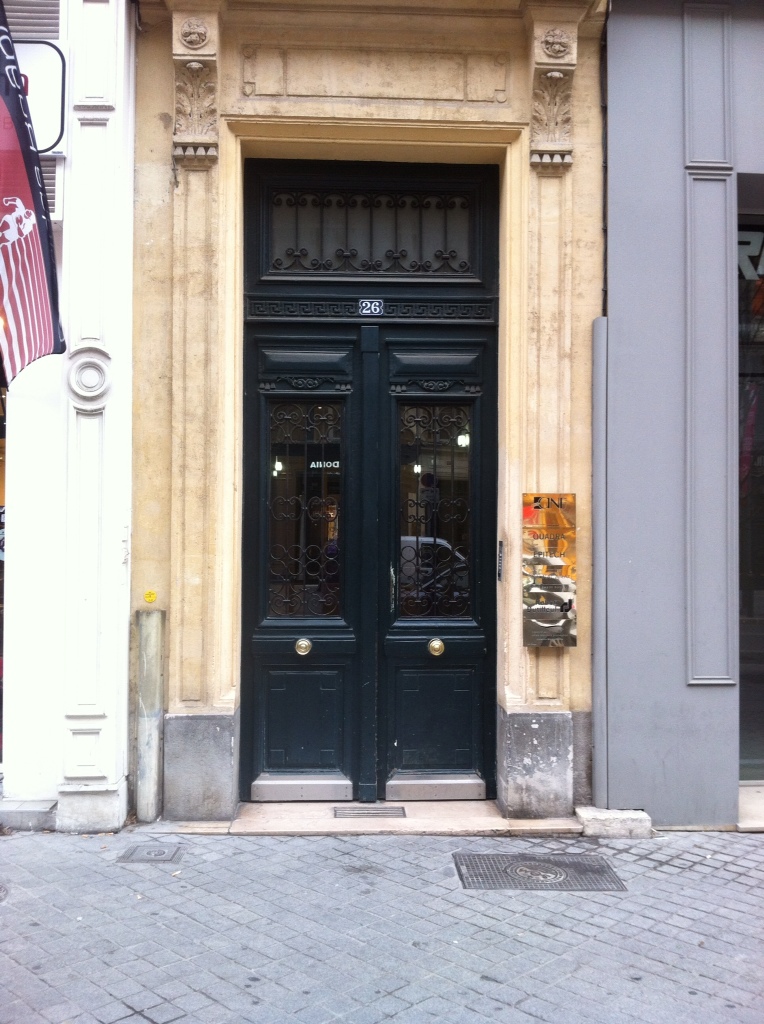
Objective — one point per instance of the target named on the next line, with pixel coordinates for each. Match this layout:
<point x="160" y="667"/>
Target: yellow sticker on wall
<point x="150" y="596"/>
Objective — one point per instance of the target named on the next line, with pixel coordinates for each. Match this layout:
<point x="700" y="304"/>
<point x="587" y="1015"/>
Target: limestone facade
<point x="463" y="81"/>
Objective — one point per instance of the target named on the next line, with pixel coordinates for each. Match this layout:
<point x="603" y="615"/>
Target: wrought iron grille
<point x="434" y="570"/>
<point x="362" y="233"/>
<point x="304" y="498"/>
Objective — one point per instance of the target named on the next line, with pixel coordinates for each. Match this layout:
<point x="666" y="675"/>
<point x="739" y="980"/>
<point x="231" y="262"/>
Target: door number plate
<point x="371" y="307"/>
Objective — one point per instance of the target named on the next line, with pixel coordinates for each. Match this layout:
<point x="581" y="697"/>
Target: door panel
<point x="435" y="711"/>
<point x="300" y="565"/>
<point x="313" y="738"/>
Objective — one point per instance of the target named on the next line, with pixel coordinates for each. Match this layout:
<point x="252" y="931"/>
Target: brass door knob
<point x="436" y="647"/>
<point x="303" y="646"/>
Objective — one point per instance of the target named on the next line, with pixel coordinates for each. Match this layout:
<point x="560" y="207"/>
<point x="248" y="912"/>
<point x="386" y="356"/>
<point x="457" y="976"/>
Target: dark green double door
<point x="369" y="561"/>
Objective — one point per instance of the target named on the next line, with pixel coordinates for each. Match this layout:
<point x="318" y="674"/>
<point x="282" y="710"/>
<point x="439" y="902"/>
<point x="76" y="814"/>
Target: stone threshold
<point x="751" y="807"/>
<point x="423" y="817"/>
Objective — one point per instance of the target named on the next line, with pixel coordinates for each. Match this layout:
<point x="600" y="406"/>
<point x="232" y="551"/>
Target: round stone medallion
<point x="556" y="43"/>
<point x="194" y="33"/>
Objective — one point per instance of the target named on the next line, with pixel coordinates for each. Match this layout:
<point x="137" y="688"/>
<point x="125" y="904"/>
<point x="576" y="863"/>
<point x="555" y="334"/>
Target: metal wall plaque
<point x="549" y="570"/>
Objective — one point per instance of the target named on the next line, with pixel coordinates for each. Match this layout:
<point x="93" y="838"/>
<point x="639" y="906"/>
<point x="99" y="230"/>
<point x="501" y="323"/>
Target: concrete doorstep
<point x="422" y="817"/>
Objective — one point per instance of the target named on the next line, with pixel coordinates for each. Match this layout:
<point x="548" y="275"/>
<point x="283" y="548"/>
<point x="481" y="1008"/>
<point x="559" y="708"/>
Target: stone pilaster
<point x="195" y="147"/>
<point x="536" y="698"/>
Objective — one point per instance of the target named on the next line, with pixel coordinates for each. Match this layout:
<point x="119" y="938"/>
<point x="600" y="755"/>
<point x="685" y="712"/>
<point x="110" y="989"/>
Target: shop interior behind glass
<point x="751" y="384"/>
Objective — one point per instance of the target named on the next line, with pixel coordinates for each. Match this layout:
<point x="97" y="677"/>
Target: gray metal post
<point x="599" y="557"/>
<point x="148" y="780"/>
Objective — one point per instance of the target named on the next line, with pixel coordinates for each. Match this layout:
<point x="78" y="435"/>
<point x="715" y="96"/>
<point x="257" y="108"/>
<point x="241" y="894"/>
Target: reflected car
<point x="430" y="566"/>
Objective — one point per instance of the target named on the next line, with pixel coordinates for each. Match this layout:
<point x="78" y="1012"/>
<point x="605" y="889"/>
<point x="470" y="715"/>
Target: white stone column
<point x="96" y="290"/>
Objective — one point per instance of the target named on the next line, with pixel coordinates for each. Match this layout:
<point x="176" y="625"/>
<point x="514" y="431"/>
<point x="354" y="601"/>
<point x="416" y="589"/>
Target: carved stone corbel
<point x="195" y="59"/>
<point x="554" y="63"/>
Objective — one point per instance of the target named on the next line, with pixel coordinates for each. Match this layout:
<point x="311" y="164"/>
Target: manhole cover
<point x="3" y="893"/>
<point x="152" y="853"/>
<point x="585" y="872"/>
<point x="370" y="812"/>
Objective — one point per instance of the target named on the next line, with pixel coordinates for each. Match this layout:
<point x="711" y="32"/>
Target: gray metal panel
<point x="747" y="92"/>
<point x="432" y="786"/>
<point x="671" y="501"/>
<point x="327" y="786"/>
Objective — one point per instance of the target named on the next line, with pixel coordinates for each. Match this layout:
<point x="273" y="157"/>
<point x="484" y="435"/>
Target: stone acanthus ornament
<point x="196" y="112"/>
<point x="552" y="116"/>
<point x="194" y="33"/>
<point x="556" y="43"/>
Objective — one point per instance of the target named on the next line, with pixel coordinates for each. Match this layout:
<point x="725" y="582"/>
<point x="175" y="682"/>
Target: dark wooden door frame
<point x="428" y="303"/>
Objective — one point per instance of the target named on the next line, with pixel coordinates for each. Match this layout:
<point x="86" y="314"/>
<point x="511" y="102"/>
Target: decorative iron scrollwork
<point x="304" y="509"/>
<point x="305" y="384"/>
<point x="299" y="423"/>
<point x="437" y="386"/>
<point x="435" y="523"/>
<point x="361" y="233"/>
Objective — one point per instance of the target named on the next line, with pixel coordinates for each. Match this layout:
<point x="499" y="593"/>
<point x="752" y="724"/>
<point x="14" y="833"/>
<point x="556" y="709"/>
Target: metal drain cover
<point x="3" y="893"/>
<point x="152" y="853"/>
<point x="582" y="873"/>
<point x="372" y="811"/>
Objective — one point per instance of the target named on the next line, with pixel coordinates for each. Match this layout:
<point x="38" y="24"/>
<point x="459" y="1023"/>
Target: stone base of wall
<point x="582" y="758"/>
<point x="200" y="767"/>
<point x="534" y="761"/>
<point x="92" y="808"/>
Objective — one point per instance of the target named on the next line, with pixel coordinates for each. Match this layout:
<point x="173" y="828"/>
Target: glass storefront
<point x="751" y="383"/>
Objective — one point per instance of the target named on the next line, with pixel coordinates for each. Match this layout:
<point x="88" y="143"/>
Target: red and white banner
<point x="29" y="320"/>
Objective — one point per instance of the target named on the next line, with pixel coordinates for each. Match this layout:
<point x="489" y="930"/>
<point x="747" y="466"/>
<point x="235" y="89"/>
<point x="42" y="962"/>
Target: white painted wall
<point x="69" y="463"/>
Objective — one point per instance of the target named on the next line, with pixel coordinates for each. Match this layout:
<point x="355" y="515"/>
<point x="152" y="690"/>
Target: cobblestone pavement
<point x="363" y="929"/>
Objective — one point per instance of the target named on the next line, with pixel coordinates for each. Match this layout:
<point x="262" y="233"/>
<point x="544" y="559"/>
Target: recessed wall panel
<point x="711" y="631"/>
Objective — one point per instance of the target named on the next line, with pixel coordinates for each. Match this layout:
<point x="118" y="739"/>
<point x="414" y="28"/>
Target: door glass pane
<point x="304" y="496"/>
<point x="434" y="569"/>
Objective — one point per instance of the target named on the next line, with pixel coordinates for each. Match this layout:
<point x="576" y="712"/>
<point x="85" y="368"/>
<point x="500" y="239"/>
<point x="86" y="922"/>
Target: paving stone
<point x="361" y="929"/>
<point x="164" y="1013"/>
